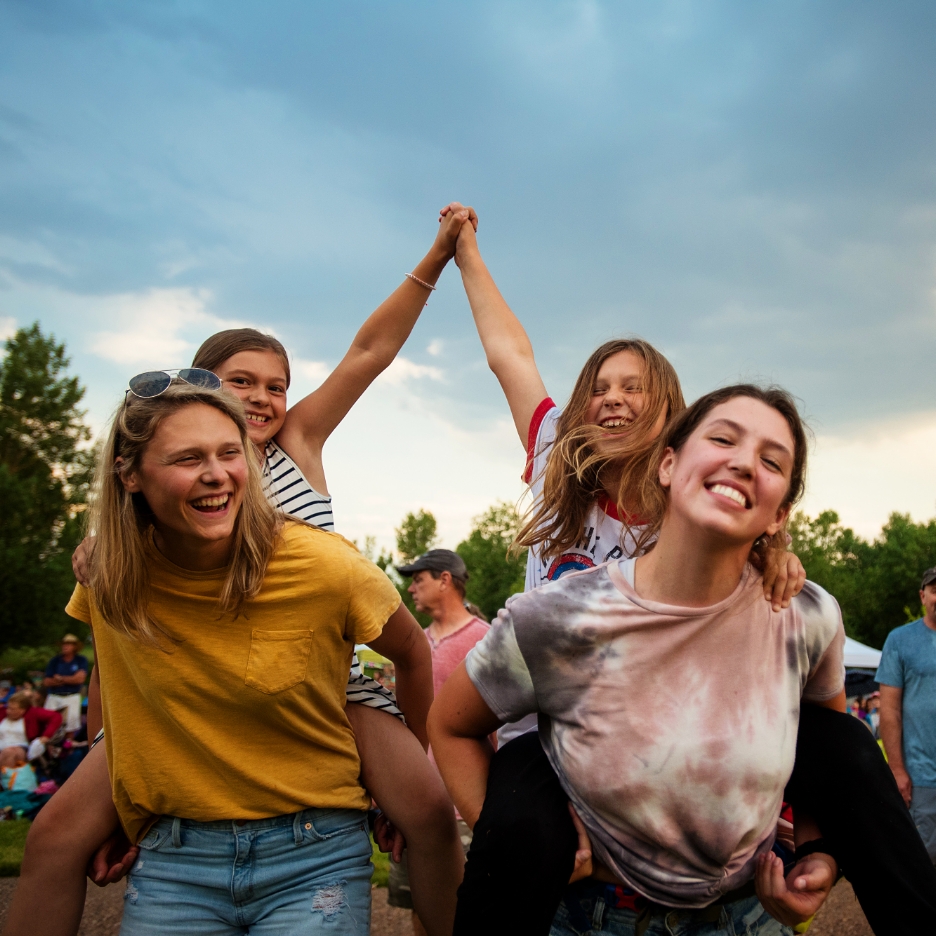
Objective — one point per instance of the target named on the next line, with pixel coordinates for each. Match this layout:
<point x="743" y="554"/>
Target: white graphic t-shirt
<point x="605" y="536"/>
<point x="672" y="729"/>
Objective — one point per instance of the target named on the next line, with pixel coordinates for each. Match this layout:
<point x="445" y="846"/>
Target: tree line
<point x="46" y="463"/>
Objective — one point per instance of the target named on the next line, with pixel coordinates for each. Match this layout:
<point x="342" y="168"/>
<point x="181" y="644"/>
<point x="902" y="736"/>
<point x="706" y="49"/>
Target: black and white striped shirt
<point x="286" y="487"/>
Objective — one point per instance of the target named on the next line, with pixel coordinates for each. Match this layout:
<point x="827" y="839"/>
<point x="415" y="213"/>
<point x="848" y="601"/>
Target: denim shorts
<point x="586" y="909"/>
<point x="305" y="873"/>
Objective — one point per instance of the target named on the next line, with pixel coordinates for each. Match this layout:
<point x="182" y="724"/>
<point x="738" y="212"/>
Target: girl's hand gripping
<point x="796" y="898"/>
<point x="784" y="577"/>
<point x="451" y="219"/>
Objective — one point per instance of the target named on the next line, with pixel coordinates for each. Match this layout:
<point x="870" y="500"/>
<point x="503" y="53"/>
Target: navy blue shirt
<point x="58" y="667"/>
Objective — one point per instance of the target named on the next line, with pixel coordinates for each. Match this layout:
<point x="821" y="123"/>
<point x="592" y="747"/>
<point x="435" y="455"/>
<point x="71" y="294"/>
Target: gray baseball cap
<point x="929" y="576"/>
<point x="437" y="560"/>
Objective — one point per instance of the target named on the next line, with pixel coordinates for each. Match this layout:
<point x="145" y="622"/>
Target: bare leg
<point x="408" y="788"/>
<point x="49" y="898"/>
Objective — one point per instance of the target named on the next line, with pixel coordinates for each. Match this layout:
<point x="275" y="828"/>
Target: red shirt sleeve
<point x="47" y="722"/>
<point x="535" y="423"/>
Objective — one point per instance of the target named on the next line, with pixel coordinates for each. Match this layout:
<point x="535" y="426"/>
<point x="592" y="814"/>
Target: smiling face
<point x="618" y="395"/>
<point x="732" y="475"/>
<point x="258" y="378"/>
<point x="193" y="474"/>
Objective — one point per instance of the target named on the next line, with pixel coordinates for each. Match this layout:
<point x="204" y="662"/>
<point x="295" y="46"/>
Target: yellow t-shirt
<point x="245" y="718"/>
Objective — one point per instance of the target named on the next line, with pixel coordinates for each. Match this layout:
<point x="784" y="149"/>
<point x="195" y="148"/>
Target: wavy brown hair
<point x="121" y="521"/>
<point x="215" y="350"/>
<point x="653" y="498"/>
<point x="573" y="476"/>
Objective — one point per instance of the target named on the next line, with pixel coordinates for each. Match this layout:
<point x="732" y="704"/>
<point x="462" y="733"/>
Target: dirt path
<point x="841" y="915"/>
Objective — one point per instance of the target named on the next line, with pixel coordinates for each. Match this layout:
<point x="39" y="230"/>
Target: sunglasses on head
<point x="152" y="383"/>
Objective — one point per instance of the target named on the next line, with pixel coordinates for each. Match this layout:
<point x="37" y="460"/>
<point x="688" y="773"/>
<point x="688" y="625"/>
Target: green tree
<point x="898" y="558"/>
<point x="876" y="584"/>
<point x="415" y="535"/>
<point x="494" y="574"/>
<point x="44" y="478"/>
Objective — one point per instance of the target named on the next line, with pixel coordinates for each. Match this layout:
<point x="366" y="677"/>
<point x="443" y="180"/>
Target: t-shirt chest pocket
<point x="278" y="659"/>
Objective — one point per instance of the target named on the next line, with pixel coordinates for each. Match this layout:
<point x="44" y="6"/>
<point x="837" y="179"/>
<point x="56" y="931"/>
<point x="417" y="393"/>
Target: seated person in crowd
<point x="21" y="724"/>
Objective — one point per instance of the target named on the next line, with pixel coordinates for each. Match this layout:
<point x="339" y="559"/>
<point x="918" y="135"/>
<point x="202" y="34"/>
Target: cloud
<point x="435" y="347"/>
<point x="7" y="327"/>
<point x="155" y="326"/>
<point x="312" y="372"/>
<point x="398" y="451"/>
<point x="403" y="370"/>
<point x="874" y="471"/>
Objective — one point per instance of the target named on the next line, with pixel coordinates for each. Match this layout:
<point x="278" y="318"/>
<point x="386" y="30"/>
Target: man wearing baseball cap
<point x="907" y="674"/>
<point x="438" y="589"/>
<point x="64" y="677"/>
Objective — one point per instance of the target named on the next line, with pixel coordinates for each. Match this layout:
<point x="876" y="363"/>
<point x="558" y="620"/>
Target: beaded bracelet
<point x="416" y="279"/>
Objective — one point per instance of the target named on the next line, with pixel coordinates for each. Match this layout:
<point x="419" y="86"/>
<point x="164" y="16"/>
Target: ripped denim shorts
<point x="305" y="873"/>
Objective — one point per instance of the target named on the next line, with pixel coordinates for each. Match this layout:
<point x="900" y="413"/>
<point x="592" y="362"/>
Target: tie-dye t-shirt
<point x="672" y="729"/>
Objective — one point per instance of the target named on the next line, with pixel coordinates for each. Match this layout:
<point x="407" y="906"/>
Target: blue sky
<point x="752" y="187"/>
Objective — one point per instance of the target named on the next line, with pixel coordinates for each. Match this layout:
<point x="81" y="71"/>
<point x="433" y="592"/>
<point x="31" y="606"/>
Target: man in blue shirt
<point x="907" y="675"/>
<point x="64" y="677"/>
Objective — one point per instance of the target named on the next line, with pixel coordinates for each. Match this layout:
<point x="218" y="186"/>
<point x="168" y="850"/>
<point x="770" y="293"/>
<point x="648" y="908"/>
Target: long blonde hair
<point x="572" y="478"/>
<point x="121" y="521"/>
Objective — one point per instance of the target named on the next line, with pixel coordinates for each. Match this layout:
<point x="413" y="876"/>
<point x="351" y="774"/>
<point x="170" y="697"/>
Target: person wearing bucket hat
<point x="64" y="677"/>
<point x="907" y="675"/>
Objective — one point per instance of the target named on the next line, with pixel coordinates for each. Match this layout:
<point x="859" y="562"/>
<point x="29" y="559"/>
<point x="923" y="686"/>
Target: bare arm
<point x="403" y="642"/>
<point x="891" y="729"/>
<point x="76" y="679"/>
<point x="459" y="724"/>
<point x="313" y="419"/>
<point x="506" y="343"/>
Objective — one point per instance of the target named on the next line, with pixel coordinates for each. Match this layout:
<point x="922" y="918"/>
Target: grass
<point x="12" y="843"/>
<point x="13" y="840"/>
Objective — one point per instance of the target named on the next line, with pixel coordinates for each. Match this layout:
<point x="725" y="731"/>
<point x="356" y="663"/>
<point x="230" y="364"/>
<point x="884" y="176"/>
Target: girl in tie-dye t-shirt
<point x="668" y="691"/>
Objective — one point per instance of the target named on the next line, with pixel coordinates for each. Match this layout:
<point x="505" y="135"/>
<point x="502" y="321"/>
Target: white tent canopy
<point x="858" y="656"/>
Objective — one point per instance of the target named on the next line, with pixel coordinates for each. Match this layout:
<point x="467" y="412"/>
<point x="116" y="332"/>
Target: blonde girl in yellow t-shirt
<point x="223" y="634"/>
<point x="395" y="770"/>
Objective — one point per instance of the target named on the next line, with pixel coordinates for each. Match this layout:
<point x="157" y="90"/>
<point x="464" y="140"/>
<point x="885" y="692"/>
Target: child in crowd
<point x="22" y="723"/>
<point x="16" y="775"/>
<point x="288" y="444"/>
